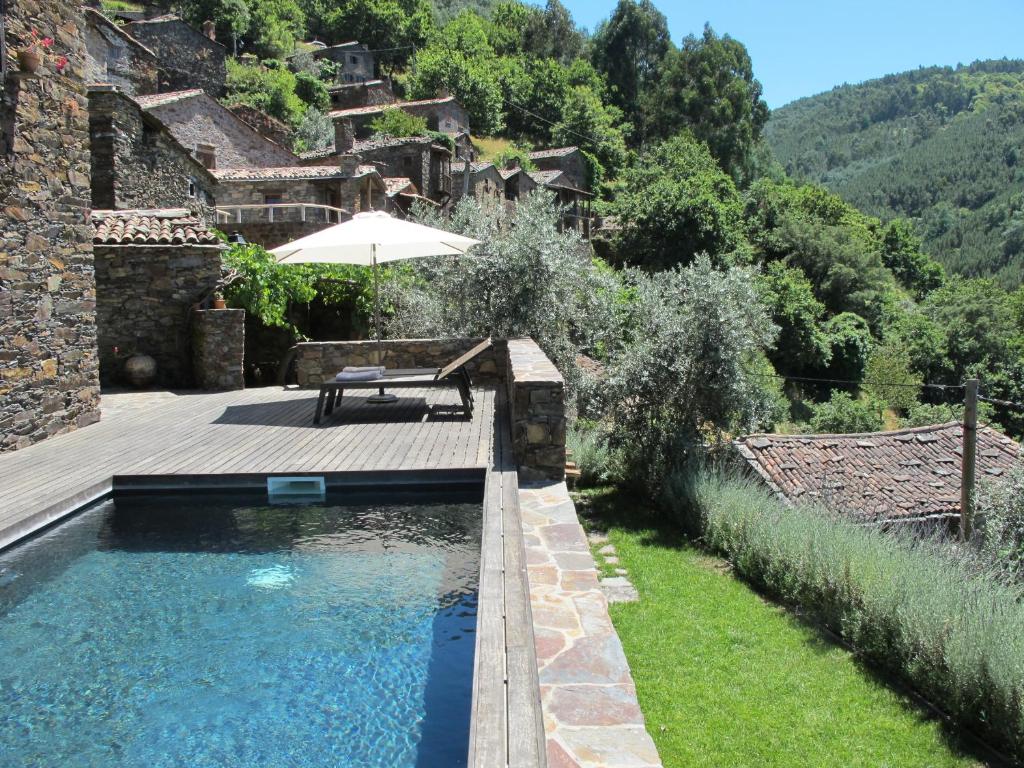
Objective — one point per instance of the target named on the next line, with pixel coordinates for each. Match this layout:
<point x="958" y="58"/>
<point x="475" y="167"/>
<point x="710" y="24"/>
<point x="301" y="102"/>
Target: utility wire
<point x="857" y="383"/>
<point x="523" y="109"/>
<point x="1004" y="403"/>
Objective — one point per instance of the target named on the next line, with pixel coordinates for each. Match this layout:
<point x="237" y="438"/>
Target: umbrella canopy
<point x="372" y="238"/>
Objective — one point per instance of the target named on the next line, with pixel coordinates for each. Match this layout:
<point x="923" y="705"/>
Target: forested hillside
<point x="940" y="145"/>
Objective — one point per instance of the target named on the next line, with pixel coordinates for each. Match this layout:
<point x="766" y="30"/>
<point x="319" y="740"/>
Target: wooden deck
<point x="255" y="431"/>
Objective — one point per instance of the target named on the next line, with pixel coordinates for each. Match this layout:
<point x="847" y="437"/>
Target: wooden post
<point x="967" y="466"/>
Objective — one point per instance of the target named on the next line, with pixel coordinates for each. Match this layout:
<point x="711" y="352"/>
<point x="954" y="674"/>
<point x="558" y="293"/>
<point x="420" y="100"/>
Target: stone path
<point x="591" y="715"/>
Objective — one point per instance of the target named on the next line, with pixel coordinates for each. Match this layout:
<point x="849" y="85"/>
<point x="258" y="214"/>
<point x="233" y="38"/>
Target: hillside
<point x="943" y="146"/>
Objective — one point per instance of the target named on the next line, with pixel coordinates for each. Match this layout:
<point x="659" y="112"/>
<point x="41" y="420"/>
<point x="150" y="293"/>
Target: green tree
<point x="674" y="203"/>
<point x="269" y="89"/>
<point x="597" y="129"/>
<point x="802" y="343"/>
<point x="398" y="122"/>
<point x="392" y="27"/>
<point x="628" y="49"/>
<point x="889" y="379"/>
<point x="473" y="81"/>
<point x="315" y="131"/>
<point x="708" y="85"/>
<point x="274" y="27"/>
<point x="851" y="342"/>
<point x="552" y="34"/>
<point x="842" y="414"/>
<point x="230" y="17"/>
<point x="902" y="254"/>
<point x="312" y="91"/>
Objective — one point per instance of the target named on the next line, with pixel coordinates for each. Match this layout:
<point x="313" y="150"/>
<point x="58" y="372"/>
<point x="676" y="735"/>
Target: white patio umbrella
<point x="369" y="239"/>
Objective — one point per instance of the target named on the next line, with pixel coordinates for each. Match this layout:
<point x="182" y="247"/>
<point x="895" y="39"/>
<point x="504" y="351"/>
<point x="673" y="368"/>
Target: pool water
<point x="185" y="632"/>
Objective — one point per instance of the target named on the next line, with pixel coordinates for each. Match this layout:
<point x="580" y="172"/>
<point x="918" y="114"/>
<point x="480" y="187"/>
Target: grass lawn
<point x="489" y="147"/>
<point x="727" y="678"/>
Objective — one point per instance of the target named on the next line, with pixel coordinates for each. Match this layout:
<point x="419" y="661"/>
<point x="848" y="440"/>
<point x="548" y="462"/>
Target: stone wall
<point x="201" y="120"/>
<point x="317" y="361"/>
<point x="272" y="234"/>
<point x="428" y="166"/>
<point x="145" y="295"/>
<point x="49" y="375"/>
<point x="349" y="95"/>
<point x="188" y="59"/>
<point x="536" y="390"/>
<point x="117" y="58"/>
<point x="137" y="164"/>
<point x="536" y="398"/>
<point x="263" y="124"/>
<point x="218" y="348"/>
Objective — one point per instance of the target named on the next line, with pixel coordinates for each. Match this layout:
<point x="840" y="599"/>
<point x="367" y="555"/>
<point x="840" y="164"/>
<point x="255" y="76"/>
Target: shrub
<point x="315" y="131"/>
<point x="269" y="89"/>
<point x="590" y="452"/>
<point x="843" y="414"/>
<point x="398" y="122"/>
<point x="689" y="365"/>
<point x="1000" y="529"/>
<point x="525" y="279"/>
<point x="312" y="91"/>
<point x="934" y="616"/>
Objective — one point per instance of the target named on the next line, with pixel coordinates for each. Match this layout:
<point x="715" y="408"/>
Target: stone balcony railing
<point x="312" y="213"/>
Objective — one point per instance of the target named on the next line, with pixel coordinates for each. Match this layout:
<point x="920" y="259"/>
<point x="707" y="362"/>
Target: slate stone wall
<point x="145" y="295"/>
<point x="49" y="375"/>
<point x="116" y="58"/>
<point x="218" y="348"/>
<point x="202" y="120"/>
<point x="138" y="164"/>
<point x="262" y="123"/>
<point x="317" y="361"/>
<point x="536" y="397"/>
<point x="351" y="95"/>
<point x="572" y="165"/>
<point x="188" y="59"/>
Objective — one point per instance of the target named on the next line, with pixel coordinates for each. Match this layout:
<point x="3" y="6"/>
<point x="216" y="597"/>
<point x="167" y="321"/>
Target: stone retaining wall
<point x="317" y="361"/>
<point x="218" y="348"/>
<point x="536" y="397"/>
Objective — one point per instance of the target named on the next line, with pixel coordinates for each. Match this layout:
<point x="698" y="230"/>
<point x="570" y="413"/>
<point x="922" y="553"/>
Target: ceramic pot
<point x="140" y="370"/>
<point x="220" y="304"/>
<point x="29" y="60"/>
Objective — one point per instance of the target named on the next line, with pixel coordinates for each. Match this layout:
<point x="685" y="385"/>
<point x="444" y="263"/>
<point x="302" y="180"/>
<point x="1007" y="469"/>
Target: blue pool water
<point x="181" y="633"/>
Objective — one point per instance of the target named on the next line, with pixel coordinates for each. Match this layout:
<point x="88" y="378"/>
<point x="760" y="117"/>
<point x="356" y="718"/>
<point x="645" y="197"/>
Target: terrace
<point x="523" y="710"/>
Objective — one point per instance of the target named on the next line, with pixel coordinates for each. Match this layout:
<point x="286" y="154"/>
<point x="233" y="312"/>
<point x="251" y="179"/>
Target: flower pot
<point x="220" y="304"/>
<point x="29" y="60"/>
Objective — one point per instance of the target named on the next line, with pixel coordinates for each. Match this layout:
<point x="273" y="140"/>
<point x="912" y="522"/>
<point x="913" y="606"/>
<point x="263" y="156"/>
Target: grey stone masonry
<point x="117" y="58"/>
<point x="218" y="348"/>
<point x="145" y="294"/>
<point x="49" y="375"/>
<point x="536" y="396"/>
<point x="187" y="57"/>
<point x="319" y="361"/>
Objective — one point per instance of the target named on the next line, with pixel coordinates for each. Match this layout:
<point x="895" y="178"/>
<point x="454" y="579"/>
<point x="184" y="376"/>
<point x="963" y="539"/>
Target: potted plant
<point x="30" y="58"/>
<point x="218" y="301"/>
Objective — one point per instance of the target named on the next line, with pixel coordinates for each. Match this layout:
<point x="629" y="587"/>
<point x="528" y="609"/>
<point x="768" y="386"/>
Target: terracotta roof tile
<point x="284" y="173"/>
<point x="880" y="475"/>
<point x="169" y="226"/>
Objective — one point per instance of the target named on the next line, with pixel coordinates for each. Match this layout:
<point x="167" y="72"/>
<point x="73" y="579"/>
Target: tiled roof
<point x="373" y="109"/>
<point x="460" y="167"/>
<point x="161" y="99"/>
<point x="540" y="154"/>
<point x="396" y="184"/>
<point x="908" y="474"/>
<point x="545" y="177"/>
<point x="316" y="154"/>
<point x="508" y="173"/>
<point x="385" y="142"/>
<point x="167" y="226"/>
<point x="284" y="173"/>
<point x="366" y="169"/>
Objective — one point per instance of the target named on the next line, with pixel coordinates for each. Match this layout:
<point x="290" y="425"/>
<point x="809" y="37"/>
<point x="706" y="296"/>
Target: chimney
<point x="210" y="30"/>
<point x="443" y="92"/>
<point x="344" y="136"/>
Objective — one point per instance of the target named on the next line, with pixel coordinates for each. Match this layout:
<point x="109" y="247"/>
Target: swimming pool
<point x="195" y="631"/>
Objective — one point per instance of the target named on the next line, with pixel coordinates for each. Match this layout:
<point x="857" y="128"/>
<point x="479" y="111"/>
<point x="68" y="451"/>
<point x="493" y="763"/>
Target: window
<point x="353" y="59"/>
<point x="193" y="187"/>
<point x="349" y="78"/>
<point x="207" y="155"/>
<point x="273" y="198"/>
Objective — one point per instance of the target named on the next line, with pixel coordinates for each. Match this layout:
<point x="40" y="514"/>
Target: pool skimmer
<point x="289" y="490"/>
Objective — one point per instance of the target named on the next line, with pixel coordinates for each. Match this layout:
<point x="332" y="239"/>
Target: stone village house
<point x="355" y="62"/>
<point x="117" y="58"/>
<point x="188" y="58"/>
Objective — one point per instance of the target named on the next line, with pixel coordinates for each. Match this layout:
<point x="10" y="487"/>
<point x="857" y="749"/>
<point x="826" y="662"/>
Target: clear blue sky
<point x="800" y="48"/>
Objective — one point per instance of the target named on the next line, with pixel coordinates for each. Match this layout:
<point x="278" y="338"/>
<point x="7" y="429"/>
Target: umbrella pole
<point x="380" y="397"/>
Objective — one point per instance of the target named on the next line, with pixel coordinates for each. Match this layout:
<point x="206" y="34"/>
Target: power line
<point x="523" y="109"/>
<point x="855" y="383"/>
<point x="1004" y="403"/>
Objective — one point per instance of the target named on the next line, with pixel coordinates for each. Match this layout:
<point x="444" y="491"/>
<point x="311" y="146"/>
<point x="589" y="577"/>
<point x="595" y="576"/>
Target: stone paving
<point x="591" y="715"/>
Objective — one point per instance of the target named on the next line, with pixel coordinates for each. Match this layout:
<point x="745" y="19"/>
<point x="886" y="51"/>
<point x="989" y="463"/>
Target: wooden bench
<point x="452" y="375"/>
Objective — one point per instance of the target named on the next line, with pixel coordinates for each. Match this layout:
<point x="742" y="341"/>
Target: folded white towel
<point x="366" y="374"/>
<point x="378" y="369"/>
